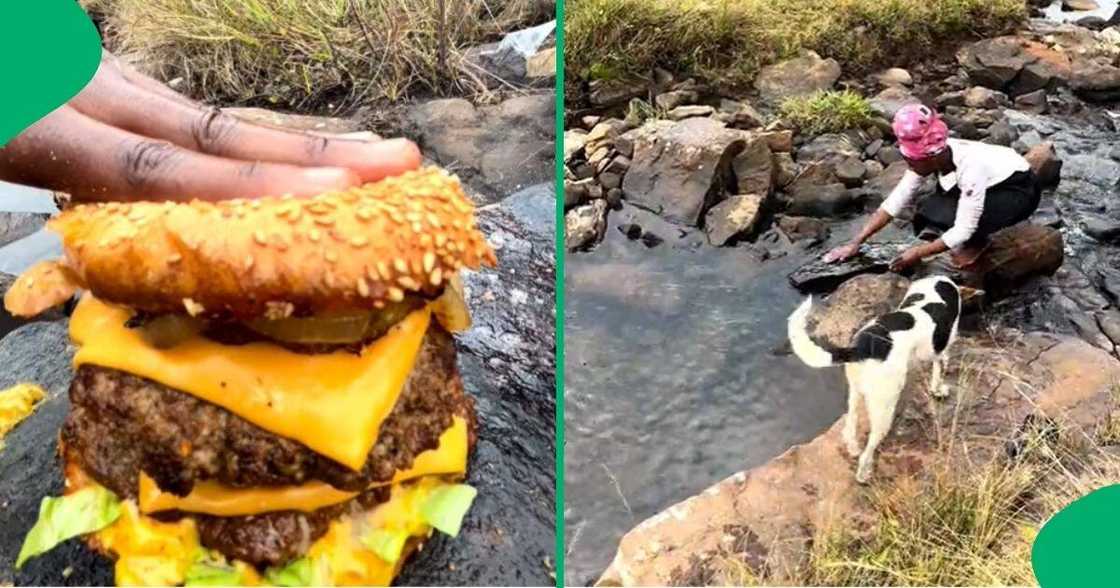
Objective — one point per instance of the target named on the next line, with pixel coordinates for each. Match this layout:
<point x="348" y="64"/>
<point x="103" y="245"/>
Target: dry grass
<point x="307" y="54"/>
<point x="727" y="41"/>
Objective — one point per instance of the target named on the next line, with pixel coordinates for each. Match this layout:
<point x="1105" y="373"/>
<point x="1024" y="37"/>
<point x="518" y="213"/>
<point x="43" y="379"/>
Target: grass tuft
<point x="728" y="41"/>
<point x="307" y="54"/>
<point x="827" y="112"/>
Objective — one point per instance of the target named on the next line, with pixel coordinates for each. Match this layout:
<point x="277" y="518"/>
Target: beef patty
<point x="120" y="424"/>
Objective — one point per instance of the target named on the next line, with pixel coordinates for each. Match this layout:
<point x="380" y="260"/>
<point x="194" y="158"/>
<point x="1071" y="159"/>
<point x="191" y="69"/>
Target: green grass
<point x="827" y="112"/>
<point x="728" y="41"/>
<point x="311" y="54"/>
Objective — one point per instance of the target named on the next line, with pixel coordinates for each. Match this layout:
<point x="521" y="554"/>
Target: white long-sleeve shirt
<point x="979" y="167"/>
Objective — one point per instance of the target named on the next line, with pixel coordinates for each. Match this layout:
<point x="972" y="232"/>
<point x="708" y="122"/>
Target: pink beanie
<point x="921" y="133"/>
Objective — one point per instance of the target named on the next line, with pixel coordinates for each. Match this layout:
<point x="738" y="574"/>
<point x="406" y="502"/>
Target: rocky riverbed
<point x="506" y="359"/>
<point x="713" y="202"/>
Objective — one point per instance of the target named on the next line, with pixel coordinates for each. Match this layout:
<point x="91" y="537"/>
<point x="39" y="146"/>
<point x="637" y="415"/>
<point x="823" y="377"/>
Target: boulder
<point x="678" y="168"/>
<point x="891" y="100"/>
<point x="981" y="97"/>
<point x="821" y="200"/>
<point x="574" y="141"/>
<point x="754" y="167"/>
<point x="683" y="112"/>
<point x="851" y="171"/>
<point x="585" y="225"/>
<point x="829" y="147"/>
<point x="895" y="76"/>
<point x="1045" y="163"/>
<point x="994" y="63"/>
<point x="1017" y="254"/>
<point x="889" y="155"/>
<point x="818" y="276"/>
<point x="800" y="76"/>
<point x="737" y="216"/>
<point x="675" y="98"/>
<point x="1105" y="230"/>
<point x="1095" y="80"/>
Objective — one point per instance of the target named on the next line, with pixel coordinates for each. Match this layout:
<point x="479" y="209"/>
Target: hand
<point x="841" y="253"/>
<point x="906" y="259"/>
<point x="129" y="137"/>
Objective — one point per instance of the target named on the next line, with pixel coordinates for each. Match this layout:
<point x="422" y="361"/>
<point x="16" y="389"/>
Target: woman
<point x="981" y="189"/>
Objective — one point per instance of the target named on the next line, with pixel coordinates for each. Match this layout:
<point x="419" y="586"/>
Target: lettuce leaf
<point x="387" y="544"/>
<point x="446" y="506"/>
<point x="85" y="511"/>
<point x="206" y="573"/>
<point x="296" y="573"/>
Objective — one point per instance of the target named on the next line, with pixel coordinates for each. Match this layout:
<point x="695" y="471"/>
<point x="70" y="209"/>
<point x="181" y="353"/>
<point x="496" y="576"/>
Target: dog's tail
<point x="814" y="354"/>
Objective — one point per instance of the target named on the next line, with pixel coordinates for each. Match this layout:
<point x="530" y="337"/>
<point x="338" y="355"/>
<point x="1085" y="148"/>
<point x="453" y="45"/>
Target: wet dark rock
<point x="584" y="225"/>
<point x="889" y="155"/>
<point x="818" y="276"/>
<point x="735" y="217"/>
<point x="679" y="168"/>
<point x="675" y="98"/>
<point x="16" y="225"/>
<point x="873" y="148"/>
<point x="800" y="76"/>
<point x="1105" y="230"/>
<point x="643" y="225"/>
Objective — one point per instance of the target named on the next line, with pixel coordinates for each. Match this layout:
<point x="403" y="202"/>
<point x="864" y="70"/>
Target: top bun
<point x="275" y="257"/>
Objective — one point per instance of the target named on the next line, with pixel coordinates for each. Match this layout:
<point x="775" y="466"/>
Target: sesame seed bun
<point x="275" y="257"/>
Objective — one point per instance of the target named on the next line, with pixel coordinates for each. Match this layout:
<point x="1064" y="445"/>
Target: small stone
<point x="873" y="148"/>
<point x="1079" y="5"/>
<point x="1032" y="102"/>
<point x="850" y="171"/>
<point x="874" y="168"/>
<point x="740" y="115"/>
<point x="1002" y="133"/>
<point x="981" y="97"/>
<point x="798" y="228"/>
<point x="585" y="225"/>
<point x="889" y="155"/>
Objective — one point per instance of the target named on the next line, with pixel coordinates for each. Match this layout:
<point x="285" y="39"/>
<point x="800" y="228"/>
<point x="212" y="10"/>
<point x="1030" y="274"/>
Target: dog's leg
<point x="880" y="413"/>
<point x="851" y="422"/>
<point x="937" y="388"/>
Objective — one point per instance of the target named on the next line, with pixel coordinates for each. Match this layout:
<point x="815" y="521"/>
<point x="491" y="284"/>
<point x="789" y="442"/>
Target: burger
<point x="265" y="390"/>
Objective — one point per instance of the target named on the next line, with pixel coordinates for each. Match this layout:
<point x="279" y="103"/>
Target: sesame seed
<point x="383" y="270"/>
<point x="434" y="220"/>
<point x="436" y="277"/>
<point x="248" y="262"/>
<point x="416" y="227"/>
<point x="408" y="282"/>
<point x="396" y="294"/>
<point x="259" y="237"/>
<point x="174" y="258"/>
<point x="441" y="239"/>
<point x="331" y="256"/>
<point x="400" y="265"/>
<point x="429" y="261"/>
<point x="365" y="214"/>
<point x="359" y="241"/>
<point x="326" y="221"/>
<point x="314" y="235"/>
<point x="363" y="287"/>
<point x="379" y="304"/>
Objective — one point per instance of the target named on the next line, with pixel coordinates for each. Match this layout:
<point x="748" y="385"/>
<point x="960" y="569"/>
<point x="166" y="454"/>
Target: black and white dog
<point x="923" y="328"/>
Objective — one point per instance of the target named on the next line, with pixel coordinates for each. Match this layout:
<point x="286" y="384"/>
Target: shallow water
<point x="672" y="382"/>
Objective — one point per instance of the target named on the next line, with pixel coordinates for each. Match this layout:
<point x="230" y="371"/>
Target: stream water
<point x="672" y="382"/>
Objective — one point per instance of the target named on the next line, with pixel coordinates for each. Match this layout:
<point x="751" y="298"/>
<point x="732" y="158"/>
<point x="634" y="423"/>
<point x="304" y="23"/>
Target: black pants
<point x="1007" y="203"/>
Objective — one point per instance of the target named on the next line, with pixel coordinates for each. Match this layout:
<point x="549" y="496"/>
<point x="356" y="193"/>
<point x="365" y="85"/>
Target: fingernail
<point x="394" y="155"/>
<point x="331" y="177"/>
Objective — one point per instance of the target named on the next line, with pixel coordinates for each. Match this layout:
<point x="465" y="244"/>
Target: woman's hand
<point x="129" y="137"/>
<point x="841" y="253"/>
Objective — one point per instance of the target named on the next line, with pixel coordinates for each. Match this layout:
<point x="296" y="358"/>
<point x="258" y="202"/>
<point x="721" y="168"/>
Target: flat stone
<point x="675" y="98"/>
<point x="541" y="64"/>
<point x="819" y="276"/>
<point x="754" y="167"/>
<point x="683" y="112"/>
<point x="737" y="216"/>
<point x="891" y="100"/>
<point x="895" y="76"/>
<point x="1102" y="229"/>
<point x="740" y="115"/>
<point x="1032" y="102"/>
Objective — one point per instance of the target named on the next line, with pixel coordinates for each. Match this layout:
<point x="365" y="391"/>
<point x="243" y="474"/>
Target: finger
<point x="112" y="65"/>
<point x="71" y="152"/>
<point x="112" y="99"/>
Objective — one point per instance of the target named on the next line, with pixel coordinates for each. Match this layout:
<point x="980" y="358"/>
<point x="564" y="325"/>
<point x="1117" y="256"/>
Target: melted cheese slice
<point x="333" y="403"/>
<point x="215" y="499"/>
<point x="154" y="553"/>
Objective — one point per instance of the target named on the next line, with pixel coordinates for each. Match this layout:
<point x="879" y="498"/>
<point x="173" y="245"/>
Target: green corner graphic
<point x="50" y="52"/>
<point x="1079" y="545"/>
